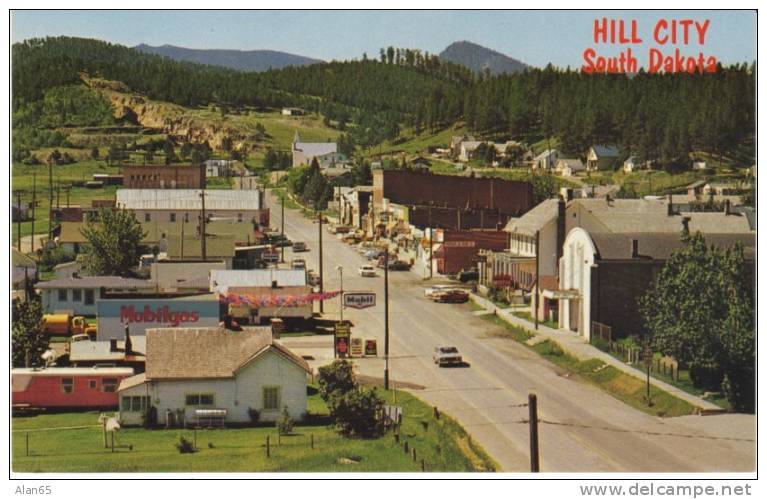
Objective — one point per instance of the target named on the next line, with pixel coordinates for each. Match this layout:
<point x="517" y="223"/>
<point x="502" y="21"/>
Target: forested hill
<point x="481" y="59"/>
<point x="243" y="60"/>
<point x="658" y="116"/>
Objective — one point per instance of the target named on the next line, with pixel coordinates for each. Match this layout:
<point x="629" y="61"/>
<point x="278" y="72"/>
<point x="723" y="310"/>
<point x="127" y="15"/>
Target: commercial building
<point x="456" y="251"/>
<point x="233" y="372"/>
<point x="159" y="205"/>
<point x="129" y="352"/>
<point x="79" y="295"/>
<point x="355" y="205"/>
<point x="163" y="177"/>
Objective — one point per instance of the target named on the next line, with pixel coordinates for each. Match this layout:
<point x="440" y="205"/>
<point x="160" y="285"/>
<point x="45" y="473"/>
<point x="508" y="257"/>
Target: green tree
<point x="337" y="377"/>
<point x="28" y="340"/>
<point x="113" y="242"/>
<point x="700" y="310"/>
<point x="357" y="413"/>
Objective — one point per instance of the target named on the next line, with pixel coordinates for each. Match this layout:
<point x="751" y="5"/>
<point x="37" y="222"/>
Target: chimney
<point x="670" y="206"/>
<point x="561" y="220"/>
<point x="113" y="345"/>
<point x="128" y="343"/>
<point x="727" y="207"/>
<point x="634" y="248"/>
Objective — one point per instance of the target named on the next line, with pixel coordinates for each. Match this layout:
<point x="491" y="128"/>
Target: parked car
<point x="469" y="275"/>
<point x="367" y="271"/>
<point x="374" y="254"/>
<point x="394" y="264"/>
<point x="312" y="278"/>
<point x="298" y="264"/>
<point x="452" y="296"/>
<point x="432" y="292"/>
<point x="299" y="246"/>
<point x="444" y="356"/>
<point x="271" y="256"/>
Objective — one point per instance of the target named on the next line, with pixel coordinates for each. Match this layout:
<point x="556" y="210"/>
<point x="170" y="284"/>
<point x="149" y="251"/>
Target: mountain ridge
<point x="242" y="60"/>
<point x="479" y="58"/>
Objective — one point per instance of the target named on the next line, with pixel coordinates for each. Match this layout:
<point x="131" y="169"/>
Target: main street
<point x="582" y="428"/>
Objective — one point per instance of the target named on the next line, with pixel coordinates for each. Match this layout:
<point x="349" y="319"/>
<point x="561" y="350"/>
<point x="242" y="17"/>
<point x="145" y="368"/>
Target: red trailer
<point x="67" y="387"/>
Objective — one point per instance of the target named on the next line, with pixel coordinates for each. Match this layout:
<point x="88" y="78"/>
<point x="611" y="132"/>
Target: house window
<point x="62" y="295"/>
<point x="109" y="385"/>
<point x="67" y="385"/>
<point x="134" y="404"/>
<point x="172" y="217"/>
<point x="92" y="384"/>
<point x="89" y="297"/>
<point x="147" y="217"/>
<point x="199" y="399"/>
<point x="77" y="295"/>
<point x="271" y="397"/>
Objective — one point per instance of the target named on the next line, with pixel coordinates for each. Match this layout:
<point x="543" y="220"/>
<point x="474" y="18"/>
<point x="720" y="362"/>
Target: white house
<point x="191" y="369"/>
<point x="326" y="153"/>
<point x="698" y="165"/>
<point x="292" y="111"/>
<point x="546" y="160"/>
<point x="568" y="167"/>
<point x="601" y="157"/>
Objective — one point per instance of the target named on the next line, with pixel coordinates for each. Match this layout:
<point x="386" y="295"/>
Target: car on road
<point x="298" y="264"/>
<point x="299" y="246"/>
<point x="367" y="271"/>
<point x="445" y="356"/>
<point x="374" y="254"/>
<point x="433" y="291"/>
<point x="451" y="296"/>
<point x="468" y="275"/>
<point x="393" y="263"/>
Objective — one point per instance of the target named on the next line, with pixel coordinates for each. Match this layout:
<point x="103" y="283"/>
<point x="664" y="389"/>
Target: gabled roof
<point x="214" y="352"/>
<point x="606" y="151"/>
<point x="659" y="246"/>
<point x="316" y="149"/>
<point x="216" y="246"/>
<point x="547" y="152"/>
<point x="535" y="219"/>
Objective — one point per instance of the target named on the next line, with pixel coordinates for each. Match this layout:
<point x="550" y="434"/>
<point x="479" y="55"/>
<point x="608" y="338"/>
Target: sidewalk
<point x="579" y="348"/>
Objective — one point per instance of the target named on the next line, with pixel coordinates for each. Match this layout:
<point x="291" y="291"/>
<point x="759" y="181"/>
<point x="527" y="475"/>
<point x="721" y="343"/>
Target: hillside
<point x="479" y="58"/>
<point x="242" y="60"/>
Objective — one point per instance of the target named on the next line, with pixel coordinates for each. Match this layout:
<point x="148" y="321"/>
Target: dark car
<point x="468" y="275"/>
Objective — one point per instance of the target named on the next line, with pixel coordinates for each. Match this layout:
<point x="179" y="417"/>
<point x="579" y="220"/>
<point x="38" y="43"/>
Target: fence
<point x="602" y="331"/>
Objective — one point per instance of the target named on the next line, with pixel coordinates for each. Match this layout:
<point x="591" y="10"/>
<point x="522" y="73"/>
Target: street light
<point x="340" y="270"/>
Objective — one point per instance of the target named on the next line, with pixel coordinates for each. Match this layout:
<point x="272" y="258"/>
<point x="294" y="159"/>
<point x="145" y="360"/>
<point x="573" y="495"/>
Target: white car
<point x="435" y="290"/>
<point x="367" y="271"/>
<point x="447" y="355"/>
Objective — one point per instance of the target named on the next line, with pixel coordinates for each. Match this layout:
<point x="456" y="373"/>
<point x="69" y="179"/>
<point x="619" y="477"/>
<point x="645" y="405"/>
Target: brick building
<point x="457" y="250"/>
<point x="163" y="177"/>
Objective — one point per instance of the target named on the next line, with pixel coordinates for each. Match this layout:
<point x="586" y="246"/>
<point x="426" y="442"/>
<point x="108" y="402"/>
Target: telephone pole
<point x="537" y="274"/>
<point x="202" y="226"/>
<point x="282" y="226"/>
<point x="431" y="246"/>
<point x="322" y="308"/>
<point x="386" y="319"/>
<point x="532" y="402"/>
<point x="50" y="198"/>
<point x="18" y="220"/>
<point x="34" y="202"/>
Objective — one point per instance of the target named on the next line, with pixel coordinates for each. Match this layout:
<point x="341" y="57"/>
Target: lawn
<point x="441" y="443"/>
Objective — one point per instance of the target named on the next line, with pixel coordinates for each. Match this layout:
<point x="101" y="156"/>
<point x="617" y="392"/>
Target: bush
<point x="185" y="446"/>
<point x="284" y="423"/>
<point x="600" y="343"/>
<point x="337" y="376"/>
<point x="254" y="415"/>
<point x="357" y="413"/>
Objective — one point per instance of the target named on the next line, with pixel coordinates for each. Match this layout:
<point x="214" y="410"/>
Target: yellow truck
<point x="66" y="325"/>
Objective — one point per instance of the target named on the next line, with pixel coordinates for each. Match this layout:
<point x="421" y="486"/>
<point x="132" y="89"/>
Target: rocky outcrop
<point x="172" y="119"/>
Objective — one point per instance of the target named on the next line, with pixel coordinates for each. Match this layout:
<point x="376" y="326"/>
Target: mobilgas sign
<point x="141" y="315"/>
<point x="359" y="299"/>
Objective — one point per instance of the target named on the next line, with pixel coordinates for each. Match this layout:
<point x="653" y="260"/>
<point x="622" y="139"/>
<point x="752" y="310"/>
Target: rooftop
<point x="535" y="219"/>
<point x="659" y="246"/>
<point x="187" y="199"/>
<point x="200" y="353"/>
<point x="112" y="282"/>
<point x="216" y="246"/>
<point x="222" y="280"/>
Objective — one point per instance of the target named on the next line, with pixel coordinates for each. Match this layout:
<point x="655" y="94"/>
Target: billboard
<point x="141" y="315"/>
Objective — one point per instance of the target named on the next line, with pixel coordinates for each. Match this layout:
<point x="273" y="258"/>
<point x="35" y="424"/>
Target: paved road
<point x="583" y="428"/>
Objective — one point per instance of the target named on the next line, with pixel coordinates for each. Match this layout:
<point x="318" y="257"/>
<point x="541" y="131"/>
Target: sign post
<point x="341" y="337"/>
<point x="359" y="299"/>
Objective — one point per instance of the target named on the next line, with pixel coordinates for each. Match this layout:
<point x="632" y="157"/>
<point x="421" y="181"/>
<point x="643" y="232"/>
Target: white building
<point x="326" y="153"/>
<point x="214" y="368"/>
<point x="546" y="160"/>
<point x="163" y="205"/>
<point x="568" y="167"/>
<point x="79" y="295"/>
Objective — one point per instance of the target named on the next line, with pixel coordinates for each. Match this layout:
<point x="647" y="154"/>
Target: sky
<point x="534" y="37"/>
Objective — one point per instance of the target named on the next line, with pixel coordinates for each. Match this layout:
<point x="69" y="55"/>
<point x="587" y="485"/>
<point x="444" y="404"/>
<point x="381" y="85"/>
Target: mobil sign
<point x="141" y="315"/>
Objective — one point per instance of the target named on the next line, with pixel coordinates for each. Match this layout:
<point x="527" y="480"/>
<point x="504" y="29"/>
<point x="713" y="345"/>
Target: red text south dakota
<point x="668" y="34"/>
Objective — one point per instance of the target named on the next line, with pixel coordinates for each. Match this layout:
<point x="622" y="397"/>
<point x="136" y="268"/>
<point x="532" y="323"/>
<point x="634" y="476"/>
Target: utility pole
<point x="68" y="187"/>
<point x="18" y="220"/>
<point x="431" y="246"/>
<point x="58" y="197"/>
<point x="537" y="273"/>
<point x="282" y="224"/>
<point x="386" y="319"/>
<point x="34" y="202"/>
<point x="322" y="308"/>
<point x="532" y="403"/>
<point x="50" y="198"/>
<point x="183" y="222"/>
<point x="202" y="225"/>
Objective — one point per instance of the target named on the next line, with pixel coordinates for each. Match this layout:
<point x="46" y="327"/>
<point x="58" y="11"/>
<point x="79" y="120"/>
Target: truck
<point x="66" y="325"/>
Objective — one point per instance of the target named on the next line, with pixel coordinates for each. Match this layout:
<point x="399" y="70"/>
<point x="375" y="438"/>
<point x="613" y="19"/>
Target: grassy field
<point x="415" y="143"/>
<point x="442" y="444"/>
<point x="620" y="385"/>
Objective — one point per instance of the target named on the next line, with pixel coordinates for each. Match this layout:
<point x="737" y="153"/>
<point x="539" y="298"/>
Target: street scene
<point x="384" y="259"/>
